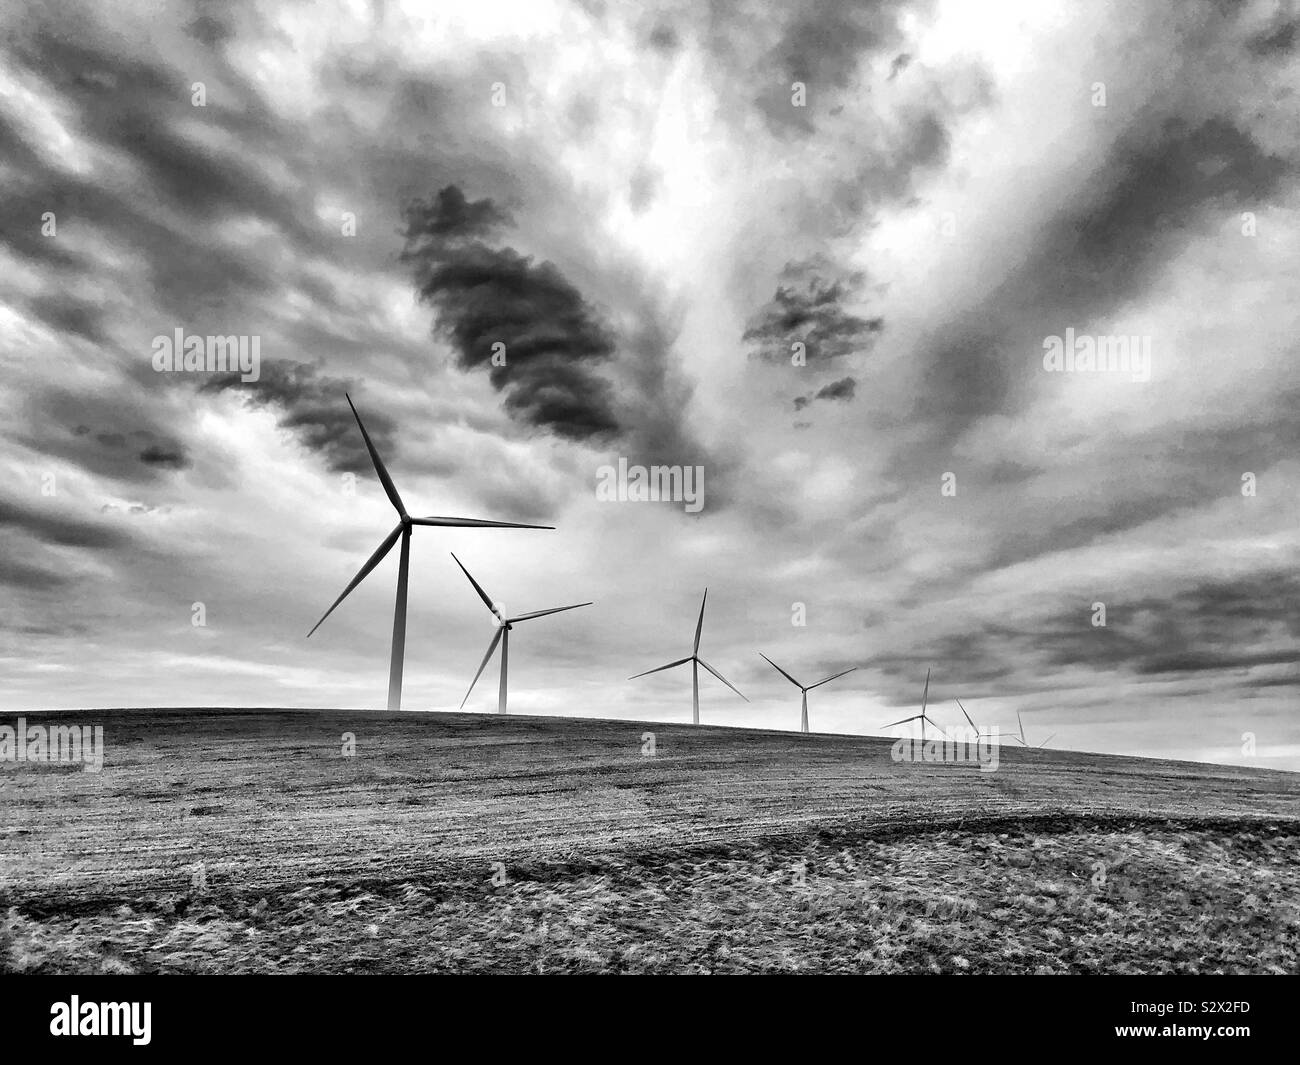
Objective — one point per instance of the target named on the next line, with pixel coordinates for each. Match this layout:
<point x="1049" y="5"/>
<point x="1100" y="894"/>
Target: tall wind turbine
<point x="921" y="717"/>
<point x="1023" y="741"/>
<point x="502" y="636"/>
<point x="696" y="661"/>
<point x="402" y="532"/>
<point x="803" y="720"/>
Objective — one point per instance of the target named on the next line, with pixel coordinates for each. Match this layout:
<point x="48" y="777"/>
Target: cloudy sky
<point x="651" y="206"/>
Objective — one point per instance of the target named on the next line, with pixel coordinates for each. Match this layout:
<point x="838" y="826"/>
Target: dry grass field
<point x="224" y="841"/>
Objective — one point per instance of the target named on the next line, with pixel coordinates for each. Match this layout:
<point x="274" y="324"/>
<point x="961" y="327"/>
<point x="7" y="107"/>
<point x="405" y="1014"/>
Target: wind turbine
<point x="922" y="715"/>
<point x="978" y="735"/>
<point x="803" y="719"/>
<point x="502" y="637"/>
<point x="1023" y="741"/>
<point x="696" y="661"/>
<point x="402" y="531"/>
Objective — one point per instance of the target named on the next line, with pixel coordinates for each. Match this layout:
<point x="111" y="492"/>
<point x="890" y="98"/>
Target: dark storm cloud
<point x="1195" y="471"/>
<point x="663" y="38"/>
<point x="53" y="524"/>
<point x="167" y="457"/>
<point x="65" y="313"/>
<point x="140" y="107"/>
<point x="214" y="22"/>
<point x="809" y="307"/>
<point x="136" y="109"/>
<point x="311" y="405"/>
<point x="1276" y="41"/>
<point x="842" y="389"/>
<point x="1108" y="250"/>
<point x="14" y="574"/>
<point x="1213" y="626"/>
<point x="1145" y="197"/>
<point x="890" y="174"/>
<point x="958" y="660"/>
<point x="110" y="432"/>
<point x="820" y="43"/>
<point x="31" y="191"/>
<point x="483" y="296"/>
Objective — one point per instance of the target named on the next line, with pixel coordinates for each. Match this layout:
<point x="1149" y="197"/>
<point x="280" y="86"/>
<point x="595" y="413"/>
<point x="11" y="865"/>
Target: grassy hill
<point x="219" y="840"/>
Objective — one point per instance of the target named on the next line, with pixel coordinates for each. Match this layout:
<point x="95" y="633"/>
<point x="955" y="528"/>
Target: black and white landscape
<point x="950" y="346"/>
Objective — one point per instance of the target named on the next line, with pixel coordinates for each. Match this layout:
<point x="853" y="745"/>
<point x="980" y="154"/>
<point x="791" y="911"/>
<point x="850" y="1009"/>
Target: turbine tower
<point x="1023" y="741"/>
<point x="696" y="661"/>
<point x="402" y="531"/>
<point x="921" y="717"/>
<point x="803" y="720"/>
<point x="502" y="636"/>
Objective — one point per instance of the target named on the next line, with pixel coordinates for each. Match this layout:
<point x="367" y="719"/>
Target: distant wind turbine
<point x="803" y="720"/>
<point x="696" y="661"/>
<point x="978" y="734"/>
<point x="1023" y="741"/>
<point x="921" y="717"/>
<point x="502" y="636"/>
<point x="402" y="531"/>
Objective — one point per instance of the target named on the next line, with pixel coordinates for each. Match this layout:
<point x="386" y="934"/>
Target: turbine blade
<point x="543" y="613"/>
<point x="483" y="665"/>
<point x="1047" y="741"/>
<point x="780" y="670"/>
<point x="925" y="694"/>
<point x="930" y="721"/>
<point x="659" y="669"/>
<point x="699" y="625"/>
<point x="721" y="677"/>
<point x="829" y="679"/>
<point x="1022" y="727"/>
<point x="384" y="479"/>
<point x="905" y="720"/>
<point x="371" y="563"/>
<point x="475" y="523"/>
<point x="967" y="716"/>
<point x="478" y="588"/>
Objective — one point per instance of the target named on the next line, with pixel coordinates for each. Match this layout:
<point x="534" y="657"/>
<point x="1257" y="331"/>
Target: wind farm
<point x="402" y="532"/>
<point x="536" y="790"/>
<point x="447" y="841"/>
<point x="946" y="342"/>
